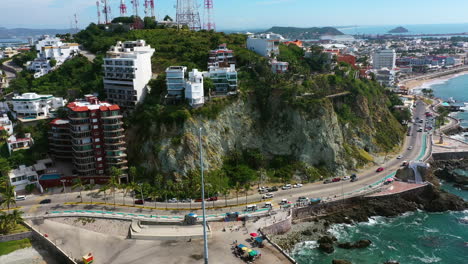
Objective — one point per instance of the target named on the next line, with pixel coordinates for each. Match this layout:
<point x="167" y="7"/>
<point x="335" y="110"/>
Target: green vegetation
<point x="304" y="33"/>
<point x="73" y="79"/>
<point x="21" y="59"/>
<point x="10" y="246"/>
<point x="10" y="223"/>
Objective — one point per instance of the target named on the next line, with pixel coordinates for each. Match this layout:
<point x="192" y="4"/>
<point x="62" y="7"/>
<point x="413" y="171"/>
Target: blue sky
<point x="250" y="14"/>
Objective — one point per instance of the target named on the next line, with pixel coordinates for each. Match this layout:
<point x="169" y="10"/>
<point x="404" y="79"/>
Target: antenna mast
<point x="98" y="12"/>
<point x="209" y="23"/>
<point x="107" y="12"/>
<point x="137" y="21"/>
<point x="187" y="14"/>
<point x="76" y="24"/>
<point x="123" y="8"/>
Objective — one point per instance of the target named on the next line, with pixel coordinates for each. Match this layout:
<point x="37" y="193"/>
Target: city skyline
<point x="256" y="14"/>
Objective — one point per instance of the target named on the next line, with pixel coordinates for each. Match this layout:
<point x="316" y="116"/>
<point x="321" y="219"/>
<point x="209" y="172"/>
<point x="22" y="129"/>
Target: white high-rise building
<point x="194" y="88"/>
<point x="36" y="105"/>
<point x="384" y="59"/>
<point x="266" y="45"/>
<point x="127" y="71"/>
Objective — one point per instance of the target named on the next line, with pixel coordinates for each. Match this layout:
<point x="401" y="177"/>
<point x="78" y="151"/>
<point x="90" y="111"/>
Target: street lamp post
<point x="141" y="191"/>
<point x="205" y="239"/>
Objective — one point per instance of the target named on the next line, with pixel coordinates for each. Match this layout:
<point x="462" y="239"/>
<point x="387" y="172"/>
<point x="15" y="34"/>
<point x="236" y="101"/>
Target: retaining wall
<point x="449" y="155"/>
<point x="59" y="255"/>
<point x="280" y="227"/>
<point x="18" y="236"/>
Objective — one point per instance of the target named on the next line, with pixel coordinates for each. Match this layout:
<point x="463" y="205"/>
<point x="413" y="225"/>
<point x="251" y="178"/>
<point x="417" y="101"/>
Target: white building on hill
<point x="22" y="176"/>
<point x="384" y="59"/>
<point x="224" y="79"/>
<point x="6" y="124"/>
<point x="35" y="105"/>
<point x="175" y="81"/>
<point x="194" y="88"/>
<point x="127" y="71"/>
<point x="266" y="45"/>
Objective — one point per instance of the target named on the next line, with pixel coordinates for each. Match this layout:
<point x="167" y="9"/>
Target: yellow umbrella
<point x="244" y="248"/>
<point x="250" y="250"/>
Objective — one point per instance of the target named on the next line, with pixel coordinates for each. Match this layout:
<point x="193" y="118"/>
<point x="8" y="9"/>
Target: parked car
<point x="20" y="197"/>
<point x="172" y="200"/>
<point x="337" y="179"/>
<point x="297" y="185"/>
<point x="302" y="199"/>
<point x="327" y="181"/>
<point x="284" y="201"/>
<point x="380" y="169"/>
<point x="346" y="178"/>
<point x="286" y="187"/>
<point x="139" y="201"/>
<point x="268" y="205"/>
<point x="186" y="200"/>
<point x="214" y="198"/>
<point x="354" y="179"/>
<point x="263" y="190"/>
<point x="399" y="157"/>
<point x="273" y="189"/>
<point x="410" y="147"/>
<point x="198" y="200"/>
<point x="267" y="196"/>
<point x="45" y="201"/>
<point x="251" y="208"/>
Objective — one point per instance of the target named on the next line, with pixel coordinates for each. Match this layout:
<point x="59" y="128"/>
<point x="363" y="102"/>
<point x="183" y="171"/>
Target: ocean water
<point x="413" y="29"/>
<point x="413" y="238"/>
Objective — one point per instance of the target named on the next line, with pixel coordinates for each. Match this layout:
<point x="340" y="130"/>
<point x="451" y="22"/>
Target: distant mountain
<point x="29" y="32"/>
<point x="398" y="30"/>
<point x="304" y="33"/>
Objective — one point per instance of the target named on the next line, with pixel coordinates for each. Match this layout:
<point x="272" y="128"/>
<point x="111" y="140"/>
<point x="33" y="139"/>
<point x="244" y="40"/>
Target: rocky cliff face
<point x="313" y="138"/>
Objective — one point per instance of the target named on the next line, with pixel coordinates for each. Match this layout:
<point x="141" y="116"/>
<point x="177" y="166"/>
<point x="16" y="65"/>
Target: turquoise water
<point x="413" y="238"/>
<point x="50" y="177"/>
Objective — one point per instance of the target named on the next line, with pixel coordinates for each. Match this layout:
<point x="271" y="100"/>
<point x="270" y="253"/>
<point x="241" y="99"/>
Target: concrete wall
<point x="16" y="236"/>
<point x="449" y="155"/>
<point x="280" y="227"/>
<point x="59" y="255"/>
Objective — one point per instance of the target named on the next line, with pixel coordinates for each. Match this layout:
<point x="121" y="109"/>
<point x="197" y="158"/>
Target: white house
<point x="127" y="71"/>
<point x="35" y="105"/>
<point x="40" y="67"/>
<point x="175" y="81"/>
<point x="22" y="176"/>
<point x="194" y="88"/>
<point x="266" y="45"/>
<point x="224" y="79"/>
<point x="6" y="124"/>
<point x="15" y="143"/>
<point x="384" y="59"/>
<point x="279" y="66"/>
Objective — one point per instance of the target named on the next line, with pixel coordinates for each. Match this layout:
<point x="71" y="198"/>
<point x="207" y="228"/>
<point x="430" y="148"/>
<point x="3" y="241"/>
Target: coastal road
<point x="367" y="177"/>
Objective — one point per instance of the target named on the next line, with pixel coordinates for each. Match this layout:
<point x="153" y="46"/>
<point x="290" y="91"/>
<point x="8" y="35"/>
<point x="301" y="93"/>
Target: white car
<point x="297" y="185"/>
<point x="173" y="200"/>
<point x="20" y="197"/>
<point x="410" y="147"/>
<point x="267" y="196"/>
<point x="286" y="187"/>
<point x="346" y="178"/>
<point x="400" y="157"/>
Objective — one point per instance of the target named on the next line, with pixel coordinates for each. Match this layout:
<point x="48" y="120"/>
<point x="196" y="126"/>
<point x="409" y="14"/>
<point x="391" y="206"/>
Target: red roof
<point x="2" y="128"/>
<point x="114" y="107"/>
<point x="79" y="109"/>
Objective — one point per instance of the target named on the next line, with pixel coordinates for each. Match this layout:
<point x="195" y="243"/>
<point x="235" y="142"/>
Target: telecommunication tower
<point x="107" y="12"/>
<point x="76" y="23"/>
<point x="98" y="12"/>
<point x="149" y="8"/>
<point x="209" y="24"/>
<point x="187" y="14"/>
<point x="137" y="20"/>
<point x="123" y="8"/>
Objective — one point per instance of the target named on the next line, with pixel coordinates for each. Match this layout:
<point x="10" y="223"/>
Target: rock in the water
<point x="341" y="261"/>
<point x="391" y="262"/>
<point x="326" y="247"/>
<point x="358" y="244"/>
<point x="327" y="239"/>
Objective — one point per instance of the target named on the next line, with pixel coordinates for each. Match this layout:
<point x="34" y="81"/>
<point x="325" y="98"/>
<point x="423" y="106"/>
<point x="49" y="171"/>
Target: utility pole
<point x="205" y="238"/>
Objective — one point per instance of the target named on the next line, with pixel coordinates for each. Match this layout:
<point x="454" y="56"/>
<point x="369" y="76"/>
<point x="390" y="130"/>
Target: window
<point x="97" y="140"/>
<point x="95" y="127"/>
<point x="99" y="159"/>
<point x="94" y="120"/>
<point x="98" y="146"/>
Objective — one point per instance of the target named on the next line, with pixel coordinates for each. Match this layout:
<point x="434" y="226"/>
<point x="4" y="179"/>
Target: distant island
<point x="305" y="33"/>
<point x="399" y="30"/>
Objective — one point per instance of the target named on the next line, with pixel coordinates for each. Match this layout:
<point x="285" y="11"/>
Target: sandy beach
<point x="427" y="81"/>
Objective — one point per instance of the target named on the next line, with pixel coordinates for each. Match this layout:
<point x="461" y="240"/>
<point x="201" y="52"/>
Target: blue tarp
<point x="241" y="246"/>
<point x="259" y="239"/>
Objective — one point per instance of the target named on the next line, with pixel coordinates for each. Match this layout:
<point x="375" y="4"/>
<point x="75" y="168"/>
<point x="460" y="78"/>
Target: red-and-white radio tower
<point x="209" y="23"/>
<point x="107" y="12"/>
<point x="98" y="12"/>
<point x="152" y="9"/>
<point x="123" y="8"/>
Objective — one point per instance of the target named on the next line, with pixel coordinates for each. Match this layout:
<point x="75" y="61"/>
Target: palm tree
<point x="132" y="172"/>
<point x="8" y="196"/>
<point x="113" y="182"/>
<point x="77" y="183"/>
<point x="90" y="187"/>
<point x="238" y="188"/>
<point x="104" y="189"/>
<point x="153" y="195"/>
<point x="246" y="190"/>
<point x="16" y="216"/>
<point x="126" y="187"/>
<point x="4" y="167"/>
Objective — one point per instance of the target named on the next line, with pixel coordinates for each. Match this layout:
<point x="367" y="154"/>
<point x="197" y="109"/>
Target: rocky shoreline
<point x="315" y="227"/>
<point x="452" y="171"/>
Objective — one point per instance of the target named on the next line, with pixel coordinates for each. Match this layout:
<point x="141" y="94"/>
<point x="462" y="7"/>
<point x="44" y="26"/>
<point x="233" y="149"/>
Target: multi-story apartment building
<point x="35" y="105"/>
<point x="194" y="93"/>
<point x="384" y="59"/>
<point x="95" y="132"/>
<point x="6" y="124"/>
<point x="175" y="81"/>
<point x="266" y="45"/>
<point x="127" y="71"/>
<point x="224" y="79"/>
<point x="221" y="57"/>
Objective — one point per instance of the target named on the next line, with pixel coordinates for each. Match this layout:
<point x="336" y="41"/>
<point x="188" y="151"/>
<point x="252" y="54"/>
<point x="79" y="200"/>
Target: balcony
<point x="113" y="162"/>
<point x="113" y="135"/>
<point x="112" y="117"/>
<point x="82" y="149"/>
<point x="114" y="142"/>
<point x="113" y="129"/>
<point x="78" y="117"/>
<point x="115" y="154"/>
<point x="81" y="135"/>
